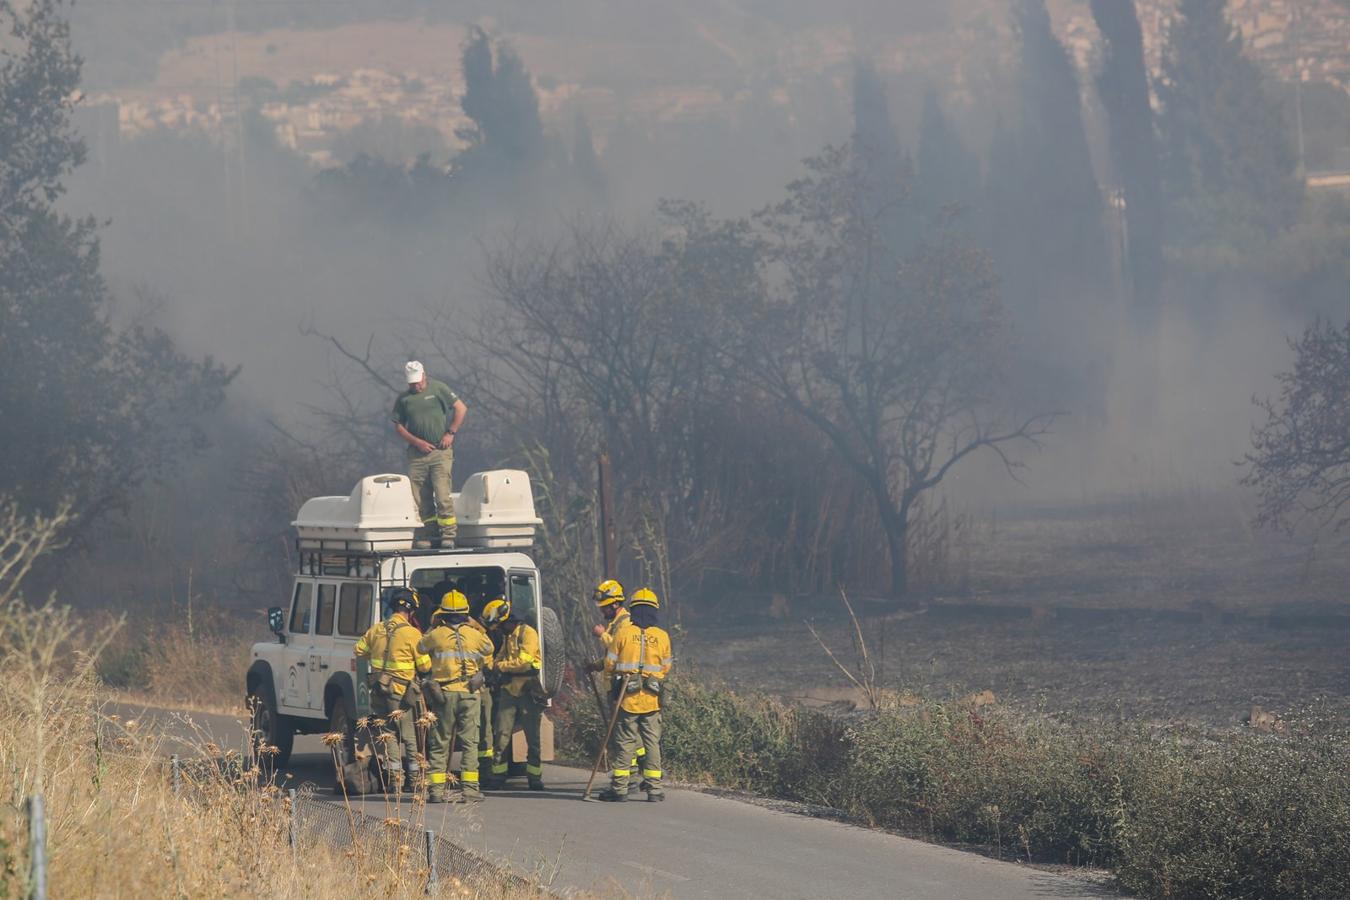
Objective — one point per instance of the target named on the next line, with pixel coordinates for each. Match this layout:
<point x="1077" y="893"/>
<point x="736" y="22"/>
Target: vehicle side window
<point x="323" y="623"/>
<point x="354" y="609"/>
<point x="300" y="608"/>
<point x="523" y="604"/>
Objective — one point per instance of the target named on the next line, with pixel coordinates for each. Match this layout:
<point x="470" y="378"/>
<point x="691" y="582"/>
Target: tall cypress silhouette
<point x="1122" y="85"/>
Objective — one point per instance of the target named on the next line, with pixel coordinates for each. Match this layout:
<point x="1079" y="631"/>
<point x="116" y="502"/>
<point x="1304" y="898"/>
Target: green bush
<point x="1247" y="815"/>
<point x="1178" y="815"/>
<point x="989" y="777"/>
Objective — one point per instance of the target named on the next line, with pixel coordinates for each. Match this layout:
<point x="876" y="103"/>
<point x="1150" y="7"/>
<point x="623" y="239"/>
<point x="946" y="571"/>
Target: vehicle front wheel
<point x="268" y="728"/>
<point x="351" y="775"/>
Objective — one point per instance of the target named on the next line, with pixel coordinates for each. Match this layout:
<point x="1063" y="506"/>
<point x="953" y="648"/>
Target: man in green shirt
<point x="427" y="416"/>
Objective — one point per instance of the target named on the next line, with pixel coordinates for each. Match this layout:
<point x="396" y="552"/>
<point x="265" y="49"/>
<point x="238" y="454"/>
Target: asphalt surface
<point x="692" y="845"/>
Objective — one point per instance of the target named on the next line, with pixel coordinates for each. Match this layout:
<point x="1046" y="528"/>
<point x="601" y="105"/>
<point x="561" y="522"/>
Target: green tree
<point x="87" y="409"/>
<point x="1060" y="201"/>
<point x="507" y="133"/>
<point x="1227" y="160"/>
<point x="585" y="161"/>
<point x="878" y="149"/>
<point x="1122" y="85"/>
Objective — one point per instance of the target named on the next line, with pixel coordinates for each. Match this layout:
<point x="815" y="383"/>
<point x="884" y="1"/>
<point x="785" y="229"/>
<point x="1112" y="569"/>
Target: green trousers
<point x="402" y="752"/>
<point x="631" y="732"/>
<point x="521" y="712"/>
<point x="458" y="720"/>
<point x="430" y="477"/>
<point x="485" y="738"/>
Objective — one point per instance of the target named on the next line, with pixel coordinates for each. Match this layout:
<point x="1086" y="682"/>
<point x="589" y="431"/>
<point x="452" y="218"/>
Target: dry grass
<point x="160" y="661"/>
<point x="116" y="826"/>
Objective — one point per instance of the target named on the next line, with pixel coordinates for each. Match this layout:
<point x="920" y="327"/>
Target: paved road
<point x="692" y="845"/>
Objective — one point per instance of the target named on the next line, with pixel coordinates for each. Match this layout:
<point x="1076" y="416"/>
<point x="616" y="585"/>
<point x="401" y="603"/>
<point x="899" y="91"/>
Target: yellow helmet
<point x="496" y="611"/>
<point x="645" y="597"/>
<point x="608" y="592"/>
<point x="453" y="602"/>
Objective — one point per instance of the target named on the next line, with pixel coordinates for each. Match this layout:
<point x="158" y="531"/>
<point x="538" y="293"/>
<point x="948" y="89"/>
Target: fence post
<point x="430" y="837"/>
<point x="290" y="835"/>
<point x="176" y="775"/>
<point x="37" y="843"/>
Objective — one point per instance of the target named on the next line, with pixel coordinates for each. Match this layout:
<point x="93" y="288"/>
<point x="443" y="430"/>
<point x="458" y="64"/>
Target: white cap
<point x="414" y="371"/>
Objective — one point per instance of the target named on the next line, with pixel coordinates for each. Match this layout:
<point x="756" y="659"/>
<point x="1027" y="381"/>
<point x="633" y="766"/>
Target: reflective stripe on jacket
<point x="456" y="654"/>
<point x="392" y="646"/>
<point x="519" y="656"/>
<point x="640" y="653"/>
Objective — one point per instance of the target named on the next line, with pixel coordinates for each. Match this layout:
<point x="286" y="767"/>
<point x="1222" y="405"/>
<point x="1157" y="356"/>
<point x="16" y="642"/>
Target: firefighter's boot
<point x="609" y="795"/>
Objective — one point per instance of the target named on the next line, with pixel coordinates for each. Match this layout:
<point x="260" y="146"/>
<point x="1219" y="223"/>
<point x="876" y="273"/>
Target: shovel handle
<point x="614" y="718"/>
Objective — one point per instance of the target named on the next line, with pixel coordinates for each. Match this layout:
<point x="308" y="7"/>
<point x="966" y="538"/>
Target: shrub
<point x="983" y="776"/>
<point x="1177" y="814"/>
<point x="1246" y="815"/>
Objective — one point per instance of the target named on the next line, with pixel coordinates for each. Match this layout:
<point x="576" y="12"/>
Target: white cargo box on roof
<point x="495" y="509"/>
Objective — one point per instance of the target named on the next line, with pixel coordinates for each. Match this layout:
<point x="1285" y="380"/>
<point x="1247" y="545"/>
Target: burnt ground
<point x="1154" y="610"/>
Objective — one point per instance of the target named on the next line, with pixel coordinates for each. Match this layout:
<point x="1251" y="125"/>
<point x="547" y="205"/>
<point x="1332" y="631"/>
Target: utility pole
<point x="610" y="556"/>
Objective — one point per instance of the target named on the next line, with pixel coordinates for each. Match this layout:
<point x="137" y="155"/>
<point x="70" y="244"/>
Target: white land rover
<point x="350" y="551"/>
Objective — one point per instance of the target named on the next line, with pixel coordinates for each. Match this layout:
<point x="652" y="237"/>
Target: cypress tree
<point x="1061" y="201"/>
<point x="1122" y="85"/>
<point x="948" y="173"/>
<point x="1228" y="164"/>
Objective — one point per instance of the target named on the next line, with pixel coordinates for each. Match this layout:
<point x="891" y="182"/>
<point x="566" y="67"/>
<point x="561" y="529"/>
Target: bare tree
<point x="893" y="359"/>
<point x="24" y="539"/>
<point x="1300" y="457"/>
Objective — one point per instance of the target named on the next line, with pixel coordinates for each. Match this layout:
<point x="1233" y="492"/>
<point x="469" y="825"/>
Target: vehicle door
<point x="294" y="686"/>
<point x="321" y="647"/>
<point x="356" y="613"/>
<point x="523" y="592"/>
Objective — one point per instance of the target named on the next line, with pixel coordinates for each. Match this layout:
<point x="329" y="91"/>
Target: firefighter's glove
<point x="595" y="665"/>
<point x="477" y="680"/>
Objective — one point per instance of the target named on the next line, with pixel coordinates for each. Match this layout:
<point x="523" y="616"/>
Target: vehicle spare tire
<point x="555" y="654"/>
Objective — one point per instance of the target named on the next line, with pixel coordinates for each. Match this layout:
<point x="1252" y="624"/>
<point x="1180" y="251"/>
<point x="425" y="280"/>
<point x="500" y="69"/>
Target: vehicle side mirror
<point x="276" y="621"/>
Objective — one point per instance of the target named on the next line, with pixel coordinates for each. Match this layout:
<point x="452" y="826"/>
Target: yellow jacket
<point x="392" y="646"/>
<point x="456" y="652"/>
<point x="519" y="656"/>
<point x="640" y="653"/>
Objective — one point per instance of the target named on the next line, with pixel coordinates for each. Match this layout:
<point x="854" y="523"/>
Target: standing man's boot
<point x="536" y="782"/>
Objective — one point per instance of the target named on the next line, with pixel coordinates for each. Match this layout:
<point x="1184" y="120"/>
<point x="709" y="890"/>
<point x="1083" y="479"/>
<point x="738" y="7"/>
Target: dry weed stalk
<point x="863" y="675"/>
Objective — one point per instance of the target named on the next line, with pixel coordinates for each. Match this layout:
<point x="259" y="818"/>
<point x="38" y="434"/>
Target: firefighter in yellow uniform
<point x="484" y="736"/>
<point x="609" y="599"/>
<point x="641" y="657"/>
<point x="391" y="647"/>
<point x="517" y="665"/>
<point x="484" y="739"/>
<point x="458" y="654"/>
